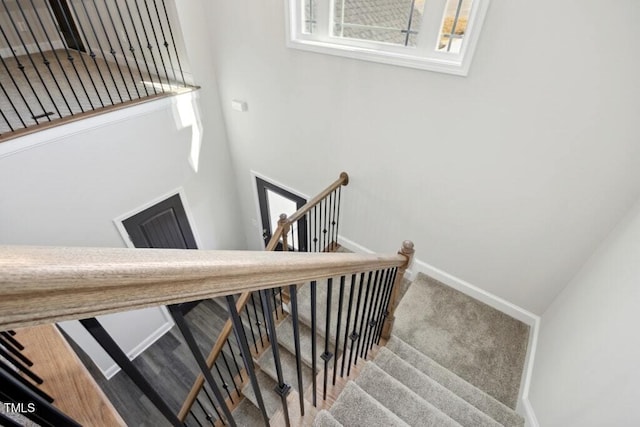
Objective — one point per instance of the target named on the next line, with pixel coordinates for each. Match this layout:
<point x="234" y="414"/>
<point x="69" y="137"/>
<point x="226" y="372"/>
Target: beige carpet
<point x="480" y="344"/>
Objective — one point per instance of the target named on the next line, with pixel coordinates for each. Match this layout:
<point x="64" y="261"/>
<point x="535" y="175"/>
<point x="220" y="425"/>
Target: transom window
<point x="437" y="35"/>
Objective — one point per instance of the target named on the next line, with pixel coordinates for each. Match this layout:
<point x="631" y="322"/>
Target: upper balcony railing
<point x="62" y="60"/>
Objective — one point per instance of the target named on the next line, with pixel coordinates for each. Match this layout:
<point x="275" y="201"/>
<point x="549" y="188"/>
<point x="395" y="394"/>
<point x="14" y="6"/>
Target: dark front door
<point x="164" y="225"/>
<point x="273" y="201"/>
<point x="66" y="24"/>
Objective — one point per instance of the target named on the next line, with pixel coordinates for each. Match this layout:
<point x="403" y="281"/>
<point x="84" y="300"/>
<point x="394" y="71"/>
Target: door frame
<point x="64" y="9"/>
<point x="258" y="222"/>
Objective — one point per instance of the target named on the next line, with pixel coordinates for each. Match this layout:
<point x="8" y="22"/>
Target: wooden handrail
<point x="45" y="284"/>
<point x="342" y="180"/>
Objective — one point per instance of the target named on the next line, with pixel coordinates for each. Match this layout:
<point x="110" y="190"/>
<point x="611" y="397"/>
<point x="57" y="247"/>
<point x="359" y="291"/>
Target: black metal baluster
<point x="367" y="318"/>
<point x="155" y="36"/>
<point x="11" y="340"/>
<point x="14" y="109"/>
<point x="28" y="54"/>
<point x="149" y="45"/>
<point x="281" y="301"/>
<point x="55" y="55"/>
<point x="246" y="355"/>
<point x="332" y="222"/>
<point x="327" y="355"/>
<point x="283" y="389"/>
<point x="213" y="404"/>
<point x="253" y="335"/>
<point x="293" y="294"/>
<point x="132" y="49"/>
<point x="81" y="56"/>
<point x="15" y="352"/>
<point x="112" y="51"/>
<point x="324" y="226"/>
<point x="233" y="379"/>
<point x="122" y="49"/>
<point x="275" y="305"/>
<point x="93" y="55"/>
<point x="335" y="239"/>
<point x="181" y="323"/>
<point x="8" y="422"/>
<point x="354" y="335"/>
<point x="10" y="370"/>
<point x="195" y="418"/>
<point x="173" y="42"/>
<point x="375" y="308"/>
<point x="144" y="58"/>
<point x="20" y="366"/>
<point x="264" y="317"/>
<point x="109" y="345"/>
<point x="235" y="362"/>
<point x="21" y="68"/>
<point x="363" y="318"/>
<point x="225" y="384"/>
<point x="346" y="327"/>
<point x="207" y="415"/>
<point x="385" y="306"/>
<point x="258" y="322"/>
<point x="13" y="390"/>
<point x="314" y="368"/>
<point x="6" y="67"/>
<point x="164" y="41"/>
<point x="378" y="311"/>
<point x="315" y="225"/>
<point x="337" y="347"/>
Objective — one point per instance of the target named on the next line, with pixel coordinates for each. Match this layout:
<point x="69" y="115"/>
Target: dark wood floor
<point x="171" y="369"/>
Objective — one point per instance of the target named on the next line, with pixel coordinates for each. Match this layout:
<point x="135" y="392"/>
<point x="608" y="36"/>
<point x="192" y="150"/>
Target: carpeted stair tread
<point x="356" y="408"/>
<point x="399" y="399"/>
<point x="286" y="339"/>
<point x="270" y="398"/>
<point x="325" y="419"/>
<point x="428" y="389"/>
<point x="476" y="397"/>
<point x="246" y="414"/>
<point x="288" y="363"/>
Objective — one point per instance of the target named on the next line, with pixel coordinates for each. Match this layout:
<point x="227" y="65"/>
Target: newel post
<point x="407" y="251"/>
<point x="286" y="227"/>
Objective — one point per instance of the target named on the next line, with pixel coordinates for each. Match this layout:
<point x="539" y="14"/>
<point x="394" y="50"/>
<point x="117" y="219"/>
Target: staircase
<point x="403" y="387"/>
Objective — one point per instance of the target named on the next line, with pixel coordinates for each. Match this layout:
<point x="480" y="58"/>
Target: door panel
<point x="164" y="225"/>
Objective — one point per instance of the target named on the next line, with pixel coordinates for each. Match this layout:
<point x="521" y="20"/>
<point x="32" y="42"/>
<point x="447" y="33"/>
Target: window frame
<point x="423" y="56"/>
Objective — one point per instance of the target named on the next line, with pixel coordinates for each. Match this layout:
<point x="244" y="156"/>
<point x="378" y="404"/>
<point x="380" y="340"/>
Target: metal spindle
<point x="55" y="55"/>
<point x="195" y="418"/>
<point x="131" y="49"/>
<point x="382" y="307"/>
<point x="327" y="355"/>
<point x="173" y="42"/>
<point x="363" y="318"/>
<point x="233" y="379"/>
<point x="207" y="415"/>
<point x="258" y="323"/>
<point x="324" y="228"/>
<point x="246" y="355"/>
<point x="109" y="345"/>
<point x="93" y="55"/>
<point x="8" y="422"/>
<point x="155" y="36"/>
<point x="15" y="375"/>
<point x="124" y="55"/>
<point x="338" y="215"/>
<point x="346" y="327"/>
<point x="375" y="308"/>
<point x="213" y="404"/>
<point x="15" y="352"/>
<point x="235" y="362"/>
<point x="293" y="294"/>
<point x="144" y="58"/>
<point x="14" y="109"/>
<point x="332" y="223"/>
<point x="112" y="51"/>
<point x="367" y="319"/>
<point x="20" y="366"/>
<point x="149" y="45"/>
<point x="225" y="385"/>
<point x="337" y="347"/>
<point x="354" y="335"/>
<point x="15" y="391"/>
<point x="314" y="368"/>
<point x="275" y="309"/>
<point x="253" y="335"/>
<point x="385" y="311"/>
<point x="165" y="43"/>
<point x="264" y="317"/>
<point x="181" y="323"/>
<point x="282" y="389"/>
<point x="6" y="121"/>
<point x="11" y="340"/>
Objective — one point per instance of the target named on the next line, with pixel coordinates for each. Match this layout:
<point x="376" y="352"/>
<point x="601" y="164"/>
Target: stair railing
<point x="43" y="285"/>
<point x="312" y="228"/>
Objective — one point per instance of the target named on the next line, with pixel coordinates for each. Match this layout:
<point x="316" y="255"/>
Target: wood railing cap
<point x="47" y="284"/>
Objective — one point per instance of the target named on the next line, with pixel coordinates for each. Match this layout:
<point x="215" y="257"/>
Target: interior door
<point x="273" y="201"/>
<point x="164" y="225"/>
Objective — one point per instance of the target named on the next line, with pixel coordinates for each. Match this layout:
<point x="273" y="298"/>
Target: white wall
<point x="586" y="371"/>
<point x="506" y="179"/>
<point x="68" y="190"/>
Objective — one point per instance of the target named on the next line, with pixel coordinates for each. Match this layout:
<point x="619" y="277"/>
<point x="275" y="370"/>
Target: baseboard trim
<point x="144" y="344"/>
<point x="524" y="406"/>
